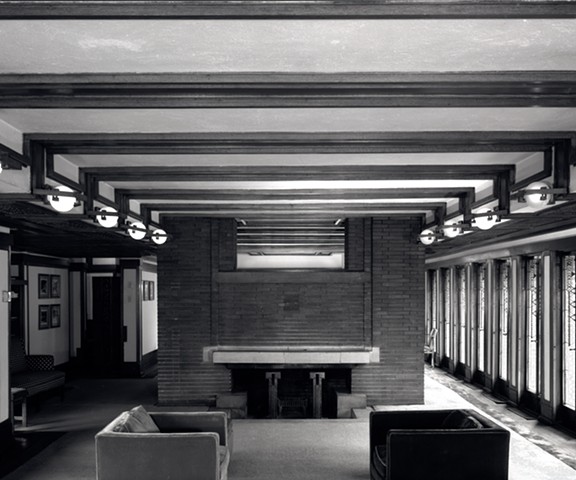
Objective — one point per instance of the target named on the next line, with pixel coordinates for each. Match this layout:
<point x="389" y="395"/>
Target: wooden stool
<point x="19" y="396"/>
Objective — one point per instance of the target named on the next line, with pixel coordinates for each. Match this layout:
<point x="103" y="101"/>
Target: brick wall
<point x="202" y="302"/>
<point x="397" y="265"/>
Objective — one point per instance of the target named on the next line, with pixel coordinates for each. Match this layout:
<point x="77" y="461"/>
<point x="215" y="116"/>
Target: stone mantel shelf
<point x="291" y="355"/>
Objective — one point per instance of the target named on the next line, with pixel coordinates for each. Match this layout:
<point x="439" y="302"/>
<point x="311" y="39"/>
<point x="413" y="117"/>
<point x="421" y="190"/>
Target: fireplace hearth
<point x="291" y="392"/>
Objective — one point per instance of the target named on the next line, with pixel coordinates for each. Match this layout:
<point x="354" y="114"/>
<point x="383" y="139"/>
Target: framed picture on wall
<point x="54" y="316"/>
<point x="54" y="286"/>
<point x="43" y="286"/>
<point x="43" y="317"/>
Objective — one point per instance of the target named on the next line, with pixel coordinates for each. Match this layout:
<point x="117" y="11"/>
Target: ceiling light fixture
<point x="452" y="230"/>
<point x="107" y="217"/>
<point x="539" y="194"/>
<point x="427" y="236"/>
<point x="137" y="230"/>
<point x="485" y="218"/>
<point x="62" y="203"/>
<point x="159" y="236"/>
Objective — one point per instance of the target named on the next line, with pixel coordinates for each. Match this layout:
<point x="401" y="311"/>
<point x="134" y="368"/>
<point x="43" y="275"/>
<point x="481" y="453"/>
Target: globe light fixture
<point x="159" y="236"/>
<point x="108" y="217"/>
<point x="427" y="236"/>
<point x="452" y="230"/>
<point x="62" y="203"/>
<point x="535" y="199"/>
<point x="485" y="222"/>
<point x="137" y="230"/>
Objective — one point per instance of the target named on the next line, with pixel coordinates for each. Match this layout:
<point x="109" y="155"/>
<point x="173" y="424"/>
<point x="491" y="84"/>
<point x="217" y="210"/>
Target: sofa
<point x="157" y="445"/>
<point x="33" y="373"/>
<point x="437" y="445"/>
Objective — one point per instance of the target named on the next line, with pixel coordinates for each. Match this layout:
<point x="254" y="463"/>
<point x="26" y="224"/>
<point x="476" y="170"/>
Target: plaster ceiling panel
<point x="300" y="160"/>
<point x="65" y="46"/>
<point x="289" y="120"/>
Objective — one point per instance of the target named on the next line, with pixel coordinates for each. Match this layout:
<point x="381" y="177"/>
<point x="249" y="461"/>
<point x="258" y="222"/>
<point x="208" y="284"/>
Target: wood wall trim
<point x="256" y="9"/>
<point x="39" y="261"/>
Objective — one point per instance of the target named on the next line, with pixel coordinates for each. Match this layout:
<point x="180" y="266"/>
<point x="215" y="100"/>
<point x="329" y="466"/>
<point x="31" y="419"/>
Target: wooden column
<point x="317" y="378"/>
<point x="273" y="378"/>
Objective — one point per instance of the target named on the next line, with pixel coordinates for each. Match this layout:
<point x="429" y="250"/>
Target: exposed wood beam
<point x="289" y="90"/>
<point x="298" y="142"/>
<point x="259" y="9"/>
<point x="275" y="195"/>
<point x="278" y="173"/>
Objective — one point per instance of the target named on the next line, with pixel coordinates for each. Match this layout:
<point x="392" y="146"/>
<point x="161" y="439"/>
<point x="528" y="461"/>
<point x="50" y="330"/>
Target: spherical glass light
<point x="159" y="236"/>
<point x="137" y="230"/>
<point x="62" y="203"/>
<point x="108" y="218"/>
<point x="452" y="230"/>
<point x="538" y="200"/>
<point x="427" y="236"/>
<point x="486" y="222"/>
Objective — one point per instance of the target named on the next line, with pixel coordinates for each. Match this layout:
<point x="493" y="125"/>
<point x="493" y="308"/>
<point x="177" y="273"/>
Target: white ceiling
<point x="167" y="47"/>
<point x="65" y="46"/>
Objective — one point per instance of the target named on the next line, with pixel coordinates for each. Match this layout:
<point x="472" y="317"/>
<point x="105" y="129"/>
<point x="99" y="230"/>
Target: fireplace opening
<point x="291" y="392"/>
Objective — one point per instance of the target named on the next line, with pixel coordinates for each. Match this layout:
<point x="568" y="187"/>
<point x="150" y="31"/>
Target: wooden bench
<point x="31" y="373"/>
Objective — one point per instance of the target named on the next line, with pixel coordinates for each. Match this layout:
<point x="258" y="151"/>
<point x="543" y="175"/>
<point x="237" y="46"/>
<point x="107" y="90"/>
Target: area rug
<point x="300" y="450"/>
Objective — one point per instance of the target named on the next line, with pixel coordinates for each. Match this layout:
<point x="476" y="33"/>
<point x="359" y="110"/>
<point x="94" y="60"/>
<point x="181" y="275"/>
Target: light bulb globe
<point x="137" y="230"/>
<point x="427" y="237"/>
<point x="538" y="200"/>
<point x="486" y="222"/>
<point x="159" y="236"/>
<point x="108" y="218"/>
<point x="62" y="203"/>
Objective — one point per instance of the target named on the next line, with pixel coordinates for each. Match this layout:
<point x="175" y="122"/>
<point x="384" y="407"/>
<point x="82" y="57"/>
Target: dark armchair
<point x="437" y="445"/>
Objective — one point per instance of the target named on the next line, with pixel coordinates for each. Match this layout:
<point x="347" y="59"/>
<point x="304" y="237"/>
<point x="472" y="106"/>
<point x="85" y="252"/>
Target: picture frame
<point x="54" y="286"/>
<point x="54" y="316"/>
<point x="43" y="317"/>
<point x="43" y="285"/>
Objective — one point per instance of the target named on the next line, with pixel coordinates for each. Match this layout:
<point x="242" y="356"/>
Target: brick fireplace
<point x="370" y="315"/>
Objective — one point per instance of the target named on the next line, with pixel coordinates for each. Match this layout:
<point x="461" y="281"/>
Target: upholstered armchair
<point x="162" y="445"/>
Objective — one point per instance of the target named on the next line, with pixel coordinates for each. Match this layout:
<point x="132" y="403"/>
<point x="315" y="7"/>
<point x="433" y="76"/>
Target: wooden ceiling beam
<point x="321" y="173"/>
<point x="292" y="194"/>
<point x="289" y="90"/>
<point x="258" y="9"/>
<point x="297" y="142"/>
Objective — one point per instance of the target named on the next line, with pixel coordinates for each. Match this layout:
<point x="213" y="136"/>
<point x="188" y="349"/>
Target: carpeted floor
<point x="263" y="449"/>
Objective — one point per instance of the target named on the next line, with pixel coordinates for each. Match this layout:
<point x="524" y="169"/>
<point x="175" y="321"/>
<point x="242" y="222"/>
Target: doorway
<point x="104" y="331"/>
